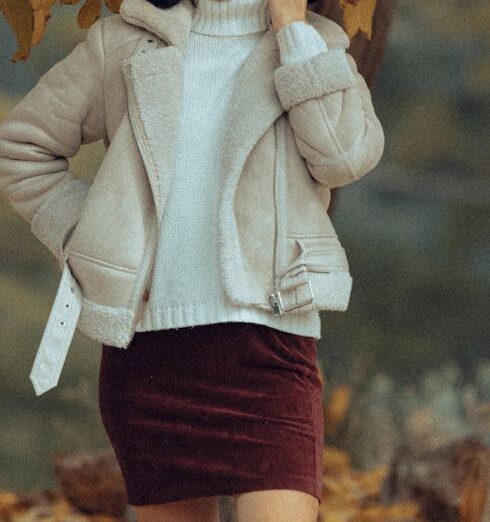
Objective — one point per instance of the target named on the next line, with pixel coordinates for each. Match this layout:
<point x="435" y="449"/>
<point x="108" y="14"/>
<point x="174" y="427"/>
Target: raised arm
<point x="329" y="103"/>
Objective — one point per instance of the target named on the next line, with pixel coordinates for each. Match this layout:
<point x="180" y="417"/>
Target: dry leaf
<point x="28" y="18"/>
<point x="89" y="13"/>
<point x="337" y="407"/>
<point x="41" y="16"/>
<point x="358" y="16"/>
<point x="19" y="16"/>
<point x="113" y="5"/>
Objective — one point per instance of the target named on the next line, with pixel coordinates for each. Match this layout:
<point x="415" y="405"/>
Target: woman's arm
<point x="64" y="110"/>
<point x="329" y="104"/>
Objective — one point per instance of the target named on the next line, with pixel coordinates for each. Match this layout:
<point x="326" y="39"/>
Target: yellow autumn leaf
<point x="398" y="512"/>
<point x="28" y="18"/>
<point x="41" y="16"/>
<point x="337" y="407"/>
<point x="371" y="481"/>
<point x="113" y="5"/>
<point x="358" y="17"/>
<point x="89" y="13"/>
<point x="19" y="16"/>
<point x="41" y="4"/>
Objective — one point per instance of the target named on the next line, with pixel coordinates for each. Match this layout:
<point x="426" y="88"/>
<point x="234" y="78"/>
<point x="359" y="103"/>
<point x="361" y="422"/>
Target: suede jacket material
<point x="294" y="132"/>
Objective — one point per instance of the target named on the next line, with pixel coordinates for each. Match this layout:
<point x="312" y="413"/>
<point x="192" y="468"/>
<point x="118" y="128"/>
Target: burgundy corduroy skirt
<point x="215" y="409"/>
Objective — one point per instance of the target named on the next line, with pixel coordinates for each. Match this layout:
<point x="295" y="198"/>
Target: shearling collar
<point x="172" y="24"/>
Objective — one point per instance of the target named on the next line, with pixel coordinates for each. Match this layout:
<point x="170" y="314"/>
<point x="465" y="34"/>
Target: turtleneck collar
<point x="231" y="17"/>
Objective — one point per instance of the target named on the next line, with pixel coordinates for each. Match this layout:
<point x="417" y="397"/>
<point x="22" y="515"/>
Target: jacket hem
<point x="106" y="324"/>
<point x="203" y="312"/>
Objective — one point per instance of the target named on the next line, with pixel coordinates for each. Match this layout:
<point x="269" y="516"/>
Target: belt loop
<point x="277" y="299"/>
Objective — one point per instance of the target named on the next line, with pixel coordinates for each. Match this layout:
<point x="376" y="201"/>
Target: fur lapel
<point x="153" y="73"/>
<point x="153" y="77"/>
<point x="172" y="24"/>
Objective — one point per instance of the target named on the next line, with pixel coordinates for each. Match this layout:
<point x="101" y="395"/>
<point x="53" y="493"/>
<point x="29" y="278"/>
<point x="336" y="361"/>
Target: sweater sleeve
<point x="299" y="41"/>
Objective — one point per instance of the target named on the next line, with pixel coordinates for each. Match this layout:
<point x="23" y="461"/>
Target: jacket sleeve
<point x="329" y="104"/>
<point x="63" y="111"/>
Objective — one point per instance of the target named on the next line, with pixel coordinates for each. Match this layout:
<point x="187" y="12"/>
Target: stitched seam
<point x="319" y="235"/>
<point x="331" y="131"/>
<point x="96" y="261"/>
<point x="319" y="152"/>
<point x="114" y="48"/>
<point x="341" y="157"/>
<point x="103" y="74"/>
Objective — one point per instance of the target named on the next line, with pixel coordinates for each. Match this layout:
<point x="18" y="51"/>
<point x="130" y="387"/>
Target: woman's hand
<point x="284" y="12"/>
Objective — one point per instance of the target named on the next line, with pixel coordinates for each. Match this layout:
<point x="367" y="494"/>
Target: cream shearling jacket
<point x="295" y="131"/>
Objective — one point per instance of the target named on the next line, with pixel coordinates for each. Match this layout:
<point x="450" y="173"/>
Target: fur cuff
<point x="326" y="72"/>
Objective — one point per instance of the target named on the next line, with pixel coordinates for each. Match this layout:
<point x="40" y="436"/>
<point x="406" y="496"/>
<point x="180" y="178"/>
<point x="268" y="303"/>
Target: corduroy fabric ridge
<point x="241" y="411"/>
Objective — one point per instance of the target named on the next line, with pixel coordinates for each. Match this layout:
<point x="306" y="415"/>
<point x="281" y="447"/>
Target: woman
<point x="202" y="247"/>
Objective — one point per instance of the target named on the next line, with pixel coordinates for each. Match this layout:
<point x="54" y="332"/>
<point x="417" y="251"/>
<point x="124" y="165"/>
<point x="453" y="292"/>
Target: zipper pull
<point x="274" y="301"/>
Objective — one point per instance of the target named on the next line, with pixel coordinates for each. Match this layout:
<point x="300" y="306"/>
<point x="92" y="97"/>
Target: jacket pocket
<point x="318" y="252"/>
<point x="316" y="275"/>
<point x="100" y="281"/>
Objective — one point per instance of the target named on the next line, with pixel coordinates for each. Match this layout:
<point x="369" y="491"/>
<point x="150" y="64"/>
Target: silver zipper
<point x="147" y="271"/>
<point x="274" y="296"/>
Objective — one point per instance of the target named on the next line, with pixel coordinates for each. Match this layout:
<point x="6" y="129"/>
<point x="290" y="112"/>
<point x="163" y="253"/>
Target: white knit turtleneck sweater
<point x="186" y="287"/>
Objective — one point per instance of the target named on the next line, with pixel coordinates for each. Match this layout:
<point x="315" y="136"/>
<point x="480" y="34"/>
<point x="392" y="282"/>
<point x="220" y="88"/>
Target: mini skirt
<point x="215" y="409"/>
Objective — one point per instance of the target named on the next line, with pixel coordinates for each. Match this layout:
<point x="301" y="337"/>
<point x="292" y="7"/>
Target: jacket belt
<point x="58" y="334"/>
<point x="295" y="289"/>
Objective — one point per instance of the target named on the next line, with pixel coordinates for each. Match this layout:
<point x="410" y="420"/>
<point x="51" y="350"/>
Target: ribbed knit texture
<point x="186" y="286"/>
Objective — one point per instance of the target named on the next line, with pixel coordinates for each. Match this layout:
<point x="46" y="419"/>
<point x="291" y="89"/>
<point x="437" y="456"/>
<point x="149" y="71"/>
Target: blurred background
<point x="413" y="347"/>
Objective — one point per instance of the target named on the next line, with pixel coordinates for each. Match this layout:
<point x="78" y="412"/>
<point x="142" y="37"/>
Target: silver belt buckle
<point x="277" y="301"/>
